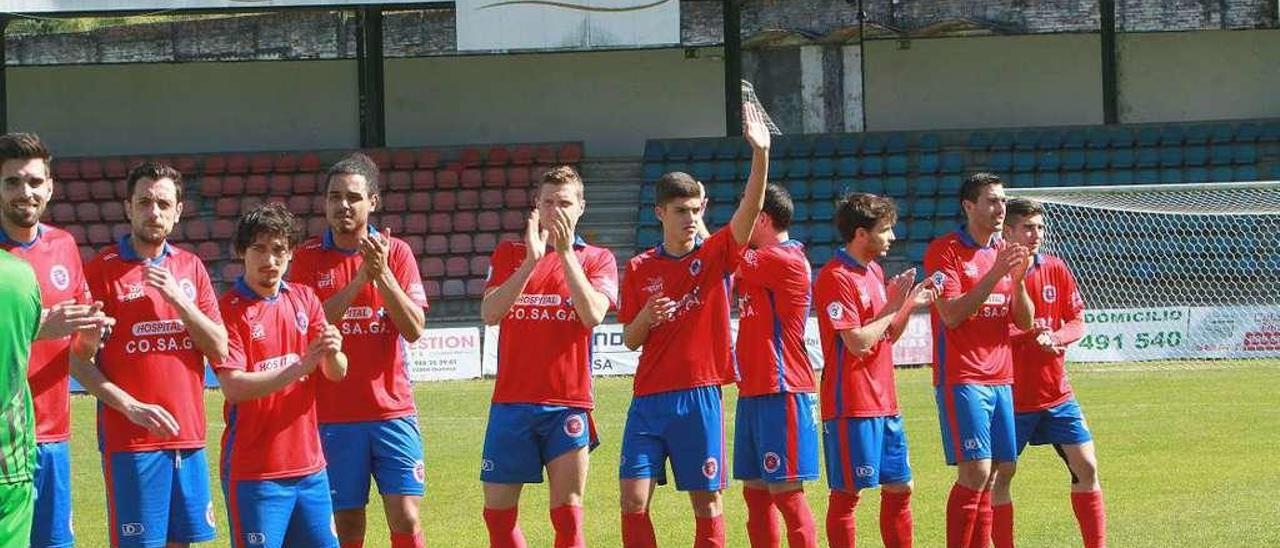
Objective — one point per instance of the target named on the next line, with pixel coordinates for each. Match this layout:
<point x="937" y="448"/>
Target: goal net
<point x="1170" y="272"/>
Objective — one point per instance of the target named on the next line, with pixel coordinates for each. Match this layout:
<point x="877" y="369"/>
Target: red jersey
<point x="54" y="257"/>
<point x="377" y="385"/>
<point x="150" y="354"/>
<point x="277" y="435"/>
<point x="976" y="351"/>
<point x="544" y="351"/>
<point x="1040" y="378"/>
<point x="773" y="306"/>
<point x="692" y="349"/>
<point x="849" y="295"/>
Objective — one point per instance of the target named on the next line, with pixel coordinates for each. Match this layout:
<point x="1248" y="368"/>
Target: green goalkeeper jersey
<point x="19" y="322"/>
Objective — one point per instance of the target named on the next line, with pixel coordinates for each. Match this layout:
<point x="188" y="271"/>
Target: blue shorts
<point x="776" y="438"/>
<point x="522" y="438"/>
<point x="154" y="497"/>
<point x="51" y="527"/>
<point x="1062" y="424"/>
<point x="281" y="512"/>
<point x="977" y="422"/>
<point x="865" y="453"/>
<point x="685" y="425"/>
<point x="390" y="451"/>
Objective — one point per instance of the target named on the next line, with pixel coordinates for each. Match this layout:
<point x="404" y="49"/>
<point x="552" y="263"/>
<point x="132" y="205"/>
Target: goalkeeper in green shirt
<point x="19" y="322"/>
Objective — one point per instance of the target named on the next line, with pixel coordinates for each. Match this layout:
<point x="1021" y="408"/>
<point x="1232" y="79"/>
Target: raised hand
<point x="754" y="128"/>
<point x="1012" y="260"/>
<point x="660" y="309"/>
<point x="898" y="288"/>
<point x="922" y="294"/>
<point x="68" y="317"/>
<point x="162" y="280"/>
<point x="562" y="230"/>
<point x="154" y="418"/>
<point x="535" y="238"/>
<point x="375" y="250"/>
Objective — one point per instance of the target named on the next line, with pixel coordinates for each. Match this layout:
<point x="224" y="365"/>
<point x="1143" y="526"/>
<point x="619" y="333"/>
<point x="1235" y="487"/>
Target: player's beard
<point x="151" y="235"/>
<point x="21" y="218"/>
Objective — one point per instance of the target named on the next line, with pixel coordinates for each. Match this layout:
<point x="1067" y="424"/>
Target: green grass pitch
<point x="1189" y="456"/>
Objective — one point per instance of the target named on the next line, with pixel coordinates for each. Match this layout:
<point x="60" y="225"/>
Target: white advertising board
<point x="500" y="25"/>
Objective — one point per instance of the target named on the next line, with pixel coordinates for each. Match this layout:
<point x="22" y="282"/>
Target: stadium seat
<point x="1096" y="159"/>
<point x="1001" y="140"/>
<point x="1026" y="140"/>
<point x="929" y="163"/>
<point x="227" y="207"/>
<point x="305" y="183"/>
<point x="403" y="159"/>
<point x="654" y="151"/>
<point x="440" y="201"/>
<point x="820" y="254"/>
<point x="1120" y="138"/>
<point x="1050" y="140"/>
<point x="309" y="163"/>
<point x="822" y="210"/>
<point x="520" y="176"/>
<point x="1171" y="136"/>
<point x="431" y="267"/>
<point x="468" y="199"/>
<point x="871" y="185"/>
<point x="115" y="168"/>
<point x="475" y="287"/>
<point x="1148" y="136"/>
<point x="233" y="185"/>
<point x="952" y="162"/>
<point x="300" y="204"/>
<point x="452" y="289"/>
<point x="513" y="219"/>
<point x="1196" y="175"/>
<point x="1122" y="158"/>
<point x="68" y="170"/>
<point x="435" y="244"/>
<point x="924" y="207"/>
<point x="471" y="178"/>
<point x="826" y="167"/>
<point x="447" y="178"/>
<point x="222" y="229"/>
<point x="1246" y="173"/>
<point x="460" y="244"/>
<point x="399" y="180"/>
<point x="1000" y="161"/>
<point x="647" y="237"/>
<point x="1244" y="153"/>
<point x="1197" y="134"/>
<point x="896" y="143"/>
<point x="1195" y="155"/>
<point x="1220" y="155"/>
<point x="872" y="144"/>
<point x="1147" y="157"/>
<point x="846" y="166"/>
<point x="1147" y="176"/>
<point x="895" y="186"/>
<point x="979" y="140"/>
<point x="1221" y="133"/>
<point x="428" y="159"/>
<point x="423" y="179"/>
<point x="112" y="211"/>
<point x="464" y="221"/>
<point x="1120" y="177"/>
<point x="479" y="265"/>
<point x="516" y="198"/>
<point x="950" y="185"/>
<point x="256" y="185"/>
<point x="485" y="242"/>
<point x="396" y="202"/>
<point x="799" y="211"/>
<point x="872" y="165"/>
<point x="488" y="221"/>
<point x="545" y="155"/>
<point x="495" y="177"/>
<point x="930" y="142"/>
<point x="456" y="267"/>
<point x="317" y="224"/>
<point x="101" y="190"/>
<point x="1171" y="175"/>
<point x="800" y="232"/>
<point x="440" y="223"/>
<point x="318" y="204"/>
<point x="490" y="198"/>
<point x="497" y="156"/>
<point x="1024" y="162"/>
<point x="822" y="189"/>
<point x="1019" y="180"/>
<point x="896" y="164"/>
<point x="1048" y="179"/>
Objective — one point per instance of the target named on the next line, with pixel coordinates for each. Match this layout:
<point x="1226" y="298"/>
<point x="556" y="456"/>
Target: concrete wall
<point x="983" y="82"/>
<point x="1187" y="76"/>
<point x="198" y="107"/>
<point x="613" y="101"/>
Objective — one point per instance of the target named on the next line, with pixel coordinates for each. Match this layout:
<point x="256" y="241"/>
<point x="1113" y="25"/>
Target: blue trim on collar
<point x="6" y="240"/>
<point x="128" y="253"/>
<point x="662" y="250"/>
<point x="791" y="242"/>
<point x="326" y="240"/>
<point x="967" y="239"/>
<point x="848" y="260"/>
<point x="242" y="287"/>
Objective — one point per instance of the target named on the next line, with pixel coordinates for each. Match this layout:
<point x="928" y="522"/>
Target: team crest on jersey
<point x="325" y="281"/>
<point x="300" y="319"/>
<point x="420" y="471"/>
<point x="711" y="467"/>
<point x="695" y="267"/>
<point x="255" y="539"/>
<point x="771" y="462"/>
<point x="59" y="277"/>
<point x="258" y="332"/>
<point x="486" y="465"/>
<point x="938" y="279"/>
<point x="750" y="257"/>
<point x="835" y="311"/>
<point x="188" y="288"/>
<point x="864" y="471"/>
<point x="654" y="286"/>
<point x="132" y="529"/>
<point x="1050" y="293"/>
<point x="573" y="426"/>
<point x="132" y="292"/>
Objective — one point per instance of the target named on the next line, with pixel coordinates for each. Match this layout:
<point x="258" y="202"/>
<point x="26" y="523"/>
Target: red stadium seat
<point x="211" y="186"/>
<point x="445" y="201"/>
<point x="215" y="164"/>
<point x="66" y="171"/>
<point x="90" y="168"/>
<point x="432" y="267"/>
<point x="440" y="223"/>
<point x="513" y="220"/>
<point x="233" y="185"/>
<point x="122" y="189"/>
<point x="490" y="199"/>
<point x="230" y="271"/>
<point x="62" y="213"/>
<point x="511" y="237"/>
<point x="485" y="242"/>
<point x="428" y="159"/>
<point x="460" y="244"/>
<point x="469" y="157"/>
<point x="403" y="159"/>
<point x="452" y="289"/>
<point x="432" y="288"/>
<point x="309" y="163"/>
<point x="59" y="192"/>
<point x="570" y="153"/>
<point x="546" y="155"/>
<point x="517" y="198"/>
<point x="222" y="229"/>
<point x="471" y="178"/>
<point x="196" y="230"/>
<point x="498" y="156"/>
<point x="209" y="251"/>
<point x="286" y="163"/>
<point x="115" y="168"/>
<point x="421" y="201"/>
<point x="102" y="190"/>
<point x="112" y="211"/>
<point x="281" y="185"/>
<point x="395" y="202"/>
<point x="299" y="204"/>
<point x="436" y="244"/>
<point x="518" y="177"/>
<point x="304" y="183"/>
<point x="495" y="177"/>
<point x="488" y="221"/>
<point x="479" y="265"/>
<point x="86" y="252"/>
<point x="475" y="287"/>
<point x="78" y="232"/>
<point x="99" y="235"/>
<point x="456" y="267"/>
<point x="468" y="199"/>
<point x="247" y="203"/>
<point x="87" y="212"/>
<point x="316" y="225"/>
<point x="257" y="185"/>
<point x="77" y="191"/>
<point x="119" y="230"/>
<point x="399" y="180"/>
<point x="464" y="221"/>
<point x="261" y="163"/>
<point x="424" y="179"/>
<point x="394" y="223"/>
<point x="522" y="155"/>
<point x="447" y="179"/>
<point x="318" y="202"/>
<point x="238" y="164"/>
<point x="415" y="223"/>
<point x="380" y="156"/>
<point x="414" y="241"/>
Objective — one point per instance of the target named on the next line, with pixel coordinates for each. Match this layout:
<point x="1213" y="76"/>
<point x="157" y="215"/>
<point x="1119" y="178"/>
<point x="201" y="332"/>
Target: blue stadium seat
<point x="846" y="144"/>
<point x="727" y="149"/>
<point x="703" y="150"/>
<point x="824" y="146"/>
<point x="1148" y="157"/>
<point x="721" y="215"/>
<point x="950" y="185"/>
<point x="654" y="151"/>
<point x="900" y="229"/>
<point x="1050" y="160"/>
<point x="952" y="162"/>
<point x="1000" y="161"/>
<point x="873" y="165"/>
<point x="1073" y="138"/>
<point x="1050" y="140"/>
<point x="652" y="171"/>
<point x="1221" y="155"/>
<point x="1270" y="132"/>
<point x="799" y="231"/>
<point x="799" y="189"/>
<point x="926" y="185"/>
<point x="924" y="207"/>
<point x="929" y="163"/>
<point x="1024" y="162"/>
<point x="847" y="166"/>
<point x="648" y="194"/>
<point x="1072" y="160"/>
<point x="1275" y="174"/>
<point x="1098" y="138"/>
<point x="801" y="147"/>
<point x="703" y="171"/>
<point x="822" y="235"/>
<point x="1171" y="136"/>
<point x="872" y="144"/>
<point x="820" y="254"/>
<point x="1196" y="175"/>
<point x="648" y="237"/>
<point x="1048" y="179"/>
<point x="1248" y="132"/>
<point x="777" y="168"/>
<point x="1120" y="138"/>
<point x="822" y="189"/>
<point x="1221" y="134"/>
<point x="744" y="169"/>
<point x="1196" y="135"/>
<point x="895" y="186"/>
<point x="1001" y="140"/>
<point x="896" y="164"/>
<point x="799" y="168"/>
<point x="781" y="148"/>
<point x="1148" y="136"/>
<point x="1197" y="155"/>
<point x="1221" y="175"/>
<point x="949" y="207"/>
<point x="1171" y="156"/>
<point x="1096" y="159"/>
<point x="1026" y="140"/>
<point x="1246" y="173"/>
<point x="915" y="251"/>
<point x="722" y="193"/>
<point x="895" y="143"/>
<point x="677" y="150"/>
<point x="800" y="211"/>
<point x="726" y="170"/>
<point x="1147" y="176"/>
<point x="920" y="229"/>
<point x="979" y="140"/>
<point x="1171" y="175"/>
<point x="1073" y="178"/>
<point x="1021" y="180"/>
<point x="930" y="142"/>
<point x="822" y="210"/>
<point x="1097" y="177"/>
<point x="873" y="185"/>
<point x="1245" y="153"/>
<point x="1122" y="158"/>
<point x="682" y="167"/>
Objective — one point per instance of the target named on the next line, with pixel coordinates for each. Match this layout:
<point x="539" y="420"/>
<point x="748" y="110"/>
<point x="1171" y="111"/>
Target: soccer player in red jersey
<point x="675" y="303"/>
<point x="272" y="466"/>
<point x="371" y="289"/>
<point x="149" y="375"/>
<point x="547" y="292"/>
<point x="1045" y="408"/>
<point x="983" y="292"/>
<point x="860" y="317"/>
<point x="776" y="435"/>
<point x="25" y="190"/>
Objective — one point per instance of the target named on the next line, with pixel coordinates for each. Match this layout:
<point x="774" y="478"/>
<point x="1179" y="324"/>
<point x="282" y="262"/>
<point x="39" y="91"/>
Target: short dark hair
<point x="273" y="219"/>
<point x="23" y="146"/>
<point x="1021" y="208"/>
<point x="778" y="206"/>
<point x="562" y="176"/>
<point x="356" y="164"/>
<point x="975" y="182"/>
<point x="154" y="171"/>
<point x="677" y="185"/>
<point x="861" y="210"/>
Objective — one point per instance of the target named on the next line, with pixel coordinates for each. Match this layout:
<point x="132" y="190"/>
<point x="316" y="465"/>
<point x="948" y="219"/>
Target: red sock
<point x="1091" y="514"/>
<point x="801" y="531"/>
<point x="504" y="528"/>
<point x="962" y="514"/>
<point x="637" y="531"/>
<point x="408" y="540"/>
<point x="982" y="526"/>
<point x="352" y="544"/>
<point x="762" y="528"/>
<point x="895" y="519"/>
<point x="567" y="521"/>
<point x="1002" y="525"/>
<point x="840" y="522"/>
<point x="710" y="532"/>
